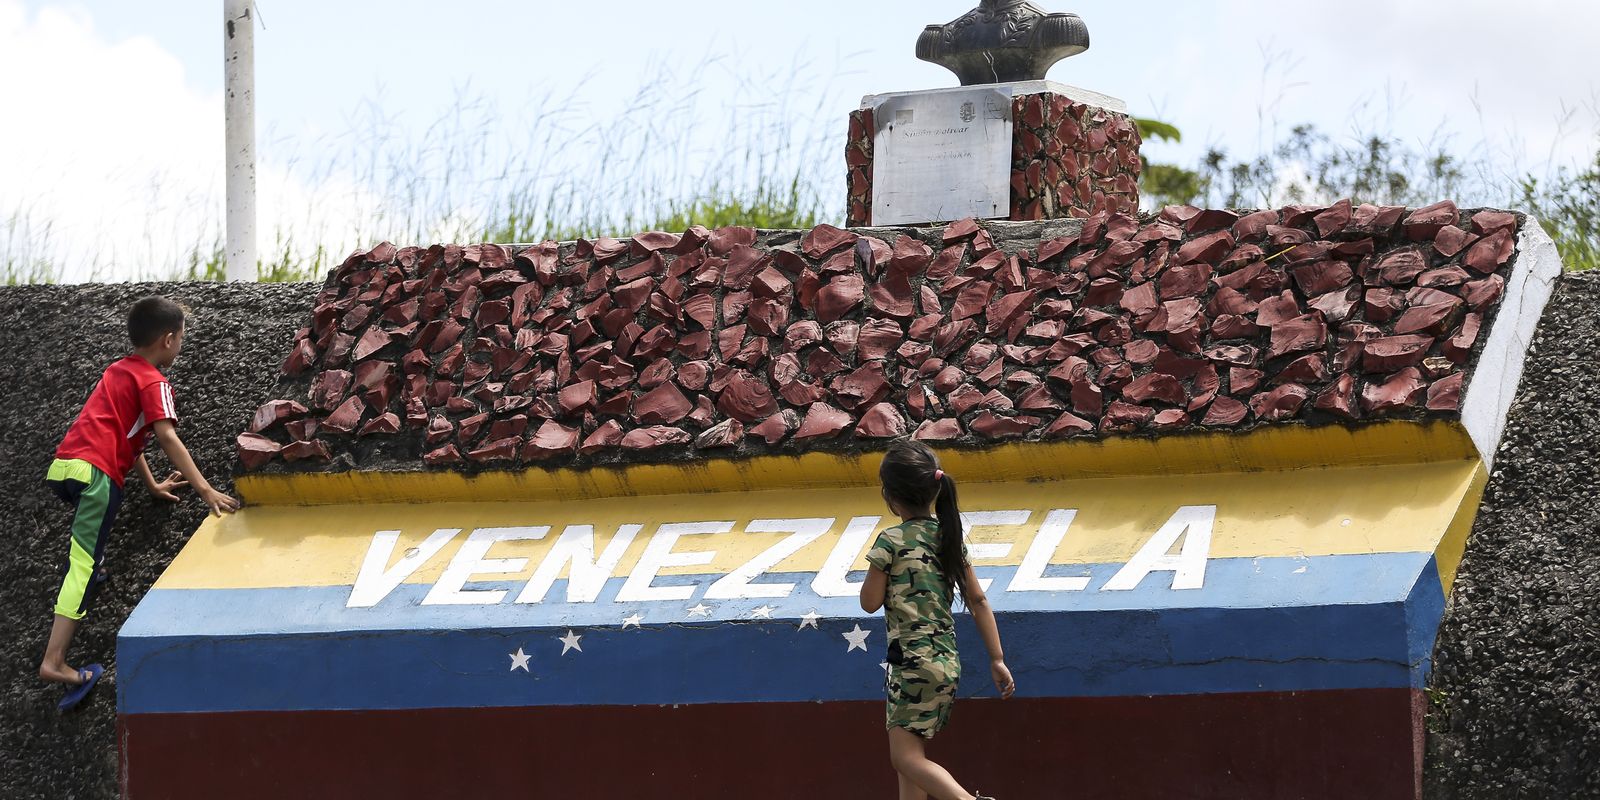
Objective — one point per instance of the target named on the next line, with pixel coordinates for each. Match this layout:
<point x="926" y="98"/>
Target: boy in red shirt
<point x="132" y="399"/>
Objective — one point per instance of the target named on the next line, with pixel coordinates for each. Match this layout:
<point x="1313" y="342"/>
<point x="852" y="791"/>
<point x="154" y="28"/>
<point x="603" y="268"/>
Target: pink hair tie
<point x="938" y="474"/>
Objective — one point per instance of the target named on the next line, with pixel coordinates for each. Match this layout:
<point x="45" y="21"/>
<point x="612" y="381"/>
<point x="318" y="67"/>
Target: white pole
<point x="239" y="55"/>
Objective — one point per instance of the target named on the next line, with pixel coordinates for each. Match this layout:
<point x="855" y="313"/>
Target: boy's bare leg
<point x="909" y="790"/>
<point x="911" y="761"/>
<point x="54" y="668"/>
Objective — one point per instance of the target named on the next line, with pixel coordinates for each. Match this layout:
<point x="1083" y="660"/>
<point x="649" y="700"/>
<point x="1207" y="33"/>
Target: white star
<point x="700" y="610"/>
<point x="764" y="612"/>
<point x="570" y="642"/>
<point x="519" y="660"/>
<point x="631" y="619"/>
<point x="810" y="619"/>
<point x="857" y="639"/>
<point x="885" y="665"/>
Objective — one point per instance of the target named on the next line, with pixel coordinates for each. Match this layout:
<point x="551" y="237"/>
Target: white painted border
<point x="1498" y="371"/>
<point x="1017" y="88"/>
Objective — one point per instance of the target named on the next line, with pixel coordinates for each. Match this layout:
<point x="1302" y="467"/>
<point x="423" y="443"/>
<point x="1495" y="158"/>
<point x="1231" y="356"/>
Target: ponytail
<point x="952" y="550"/>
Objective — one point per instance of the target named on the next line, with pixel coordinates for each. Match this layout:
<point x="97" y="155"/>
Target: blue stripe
<point x="210" y="650"/>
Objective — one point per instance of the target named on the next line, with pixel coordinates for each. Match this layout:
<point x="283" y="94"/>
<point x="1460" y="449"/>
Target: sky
<point x="111" y="112"/>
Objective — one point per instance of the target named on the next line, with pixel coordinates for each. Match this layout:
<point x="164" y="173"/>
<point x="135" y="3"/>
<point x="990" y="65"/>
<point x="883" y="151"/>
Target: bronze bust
<point x="1002" y="41"/>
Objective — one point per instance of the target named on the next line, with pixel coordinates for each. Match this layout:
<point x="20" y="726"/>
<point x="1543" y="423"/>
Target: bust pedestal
<point x="1073" y="152"/>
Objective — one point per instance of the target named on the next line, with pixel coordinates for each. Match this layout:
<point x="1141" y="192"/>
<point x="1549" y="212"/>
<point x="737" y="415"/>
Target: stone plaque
<point x="941" y="156"/>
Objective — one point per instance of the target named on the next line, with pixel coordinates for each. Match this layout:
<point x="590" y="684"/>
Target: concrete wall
<point x="1515" y="697"/>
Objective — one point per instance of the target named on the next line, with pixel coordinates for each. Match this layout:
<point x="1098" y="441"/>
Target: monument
<point x="1008" y="144"/>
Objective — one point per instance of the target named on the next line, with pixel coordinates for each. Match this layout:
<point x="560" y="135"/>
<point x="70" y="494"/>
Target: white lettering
<point x="1188" y="568"/>
<point x="658" y="554"/>
<point x="470" y="560"/>
<point x="588" y="574"/>
<point x="374" y="582"/>
<point x="1030" y="576"/>
<point x="972" y="519"/>
<point x="833" y="579"/>
<point x="737" y="584"/>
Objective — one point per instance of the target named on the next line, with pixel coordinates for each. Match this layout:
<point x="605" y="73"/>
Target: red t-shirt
<point x="111" y="429"/>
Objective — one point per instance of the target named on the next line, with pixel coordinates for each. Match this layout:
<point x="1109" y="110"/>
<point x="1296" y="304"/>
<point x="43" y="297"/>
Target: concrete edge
<point x="1018" y="88"/>
<point x="1498" y="372"/>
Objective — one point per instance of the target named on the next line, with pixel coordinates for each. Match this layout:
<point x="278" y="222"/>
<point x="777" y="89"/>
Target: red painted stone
<point x="746" y="398"/>
<point x="1435" y="318"/>
<point x="938" y="430"/>
<point x="1067" y="424"/>
<point x="823" y="421"/>
<point x="255" y="450"/>
<point x="1445" y="393"/>
<point x="993" y="426"/>
<point x="864" y="386"/>
<point x="1309" y="368"/>
<point x="1391" y="353"/>
<point x="1487" y="222"/>
<point x="1490" y="253"/>
<point x="1242" y="380"/>
<point x="1401" y="267"/>
<point x="1446" y="276"/>
<point x="386" y="423"/>
<point x="1281" y="403"/>
<point x="1320" y="277"/>
<point x="655" y="436"/>
<point x="1458" y="347"/>
<point x="825" y="239"/>
<point x="801" y="334"/>
<point x="1424" y="224"/>
<point x="1452" y="240"/>
<point x="662" y="405"/>
<point x="1405" y="389"/>
<point x="444" y="455"/>
<point x="839" y="297"/>
<point x="960" y="229"/>
<point x="882" y="421"/>
<point x="1225" y="412"/>
<point x="316" y="450"/>
<point x="878" y="338"/>
<point x="1297" y="335"/>
<point x="1121" y="416"/>
<point x="274" y="412"/>
<point x="608" y="435"/>
<point x="843" y="336"/>
<point x="346" y="417"/>
<point x="1208" y="248"/>
<point x="1336" y="218"/>
<point x="1156" y="387"/>
<point x="1339" y="397"/>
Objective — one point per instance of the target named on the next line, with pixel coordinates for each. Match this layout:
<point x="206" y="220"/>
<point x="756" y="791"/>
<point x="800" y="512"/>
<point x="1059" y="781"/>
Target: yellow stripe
<point x="1300" y="512"/>
<point x="1454" y="541"/>
<point x="1280" y="447"/>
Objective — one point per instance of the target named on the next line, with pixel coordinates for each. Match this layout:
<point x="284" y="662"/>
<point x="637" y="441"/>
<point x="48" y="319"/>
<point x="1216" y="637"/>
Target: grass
<point x="566" y="170"/>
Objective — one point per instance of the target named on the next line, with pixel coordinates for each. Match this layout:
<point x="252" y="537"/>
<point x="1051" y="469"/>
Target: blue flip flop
<point x="89" y="676"/>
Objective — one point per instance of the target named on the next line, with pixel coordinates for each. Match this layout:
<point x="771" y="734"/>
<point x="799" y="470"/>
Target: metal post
<point x="238" y="52"/>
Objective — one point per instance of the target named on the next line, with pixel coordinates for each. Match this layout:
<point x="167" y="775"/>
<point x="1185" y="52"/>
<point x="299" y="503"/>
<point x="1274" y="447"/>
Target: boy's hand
<point x="163" y="490"/>
<point x="218" y="502"/>
<point x="1002" y="678"/>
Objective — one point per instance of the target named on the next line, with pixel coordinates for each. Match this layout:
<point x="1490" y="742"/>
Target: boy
<point x="132" y="399"/>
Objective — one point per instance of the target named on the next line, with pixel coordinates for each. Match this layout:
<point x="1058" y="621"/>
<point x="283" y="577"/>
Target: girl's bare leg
<point x="911" y="761"/>
<point x="909" y="790"/>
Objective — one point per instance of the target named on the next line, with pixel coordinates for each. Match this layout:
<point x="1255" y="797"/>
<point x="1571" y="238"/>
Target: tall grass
<point x="564" y="167"/>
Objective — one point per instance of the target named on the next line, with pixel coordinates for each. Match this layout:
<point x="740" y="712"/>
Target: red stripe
<point x="1334" y="744"/>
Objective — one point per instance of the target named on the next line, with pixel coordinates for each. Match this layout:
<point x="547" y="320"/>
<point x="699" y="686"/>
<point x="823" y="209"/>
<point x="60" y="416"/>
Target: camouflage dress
<point x="924" y="667"/>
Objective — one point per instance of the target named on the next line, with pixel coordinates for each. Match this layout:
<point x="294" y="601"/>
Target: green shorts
<point x="920" y="686"/>
<point x="96" y="499"/>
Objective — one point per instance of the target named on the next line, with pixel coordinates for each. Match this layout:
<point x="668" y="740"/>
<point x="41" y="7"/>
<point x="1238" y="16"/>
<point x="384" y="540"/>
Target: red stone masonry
<point x="1068" y="159"/>
<point x="736" y="342"/>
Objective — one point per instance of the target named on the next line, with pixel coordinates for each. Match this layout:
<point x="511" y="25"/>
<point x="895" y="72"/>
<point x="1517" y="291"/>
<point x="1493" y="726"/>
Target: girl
<point x="916" y="568"/>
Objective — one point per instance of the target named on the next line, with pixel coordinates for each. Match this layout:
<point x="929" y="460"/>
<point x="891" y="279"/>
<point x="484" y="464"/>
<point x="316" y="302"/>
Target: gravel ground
<point x="1516" y="697"/>
<point x="1516" y="710"/>
<point x="60" y="338"/>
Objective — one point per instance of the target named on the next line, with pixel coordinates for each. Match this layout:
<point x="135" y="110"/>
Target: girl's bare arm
<point x="983" y="615"/>
<point x="874" y="590"/>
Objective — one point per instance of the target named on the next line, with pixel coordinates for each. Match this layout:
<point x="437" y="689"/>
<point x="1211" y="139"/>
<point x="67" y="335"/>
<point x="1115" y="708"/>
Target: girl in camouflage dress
<point x="916" y="569"/>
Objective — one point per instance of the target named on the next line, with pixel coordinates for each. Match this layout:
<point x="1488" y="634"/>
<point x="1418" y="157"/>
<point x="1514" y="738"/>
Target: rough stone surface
<point x="238" y="337"/>
<point x="1016" y="322"/>
<point x="1515" y="708"/>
